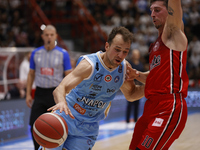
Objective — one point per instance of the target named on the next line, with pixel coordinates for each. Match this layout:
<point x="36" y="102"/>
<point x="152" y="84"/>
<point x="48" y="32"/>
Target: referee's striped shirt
<point x="49" y="66"/>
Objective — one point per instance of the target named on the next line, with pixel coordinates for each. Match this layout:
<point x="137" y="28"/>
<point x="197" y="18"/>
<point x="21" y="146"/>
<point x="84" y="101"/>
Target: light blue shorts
<point x="81" y="135"/>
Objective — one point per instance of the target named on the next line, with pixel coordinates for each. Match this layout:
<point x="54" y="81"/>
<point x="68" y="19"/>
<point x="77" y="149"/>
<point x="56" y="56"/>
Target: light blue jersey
<point x="90" y="102"/>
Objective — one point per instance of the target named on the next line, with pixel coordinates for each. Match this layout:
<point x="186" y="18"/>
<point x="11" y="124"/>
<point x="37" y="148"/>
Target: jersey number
<point x="147" y="142"/>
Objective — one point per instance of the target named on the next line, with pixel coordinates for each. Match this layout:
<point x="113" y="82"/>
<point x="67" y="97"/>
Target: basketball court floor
<point x="116" y="135"/>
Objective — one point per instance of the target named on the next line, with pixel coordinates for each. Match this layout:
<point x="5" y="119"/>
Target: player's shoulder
<point x="84" y="68"/>
<point x="85" y="61"/>
<point x="92" y="55"/>
<point x="88" y="57"/>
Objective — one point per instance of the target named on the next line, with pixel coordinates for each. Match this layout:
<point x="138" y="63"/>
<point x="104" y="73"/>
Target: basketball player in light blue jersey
<point x="91" y="87"/>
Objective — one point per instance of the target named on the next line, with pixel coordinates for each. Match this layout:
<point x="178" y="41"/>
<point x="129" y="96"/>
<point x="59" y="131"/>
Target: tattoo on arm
<point x="170" y="11"/>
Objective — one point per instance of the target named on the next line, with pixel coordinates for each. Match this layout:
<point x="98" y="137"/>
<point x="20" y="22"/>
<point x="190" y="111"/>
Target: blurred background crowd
<point x="17" y="28"/>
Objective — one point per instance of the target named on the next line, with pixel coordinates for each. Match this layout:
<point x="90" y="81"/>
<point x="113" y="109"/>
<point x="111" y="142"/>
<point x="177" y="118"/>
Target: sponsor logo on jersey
<point x="79" y="109"/>
<point x="116" y="79"/>
<point x="89" y="142"/>
<point x="47" y="71"/>
<point x="92" y="103"/>
<point x="111" y="90"/>
<point x="158" y="122"/>
<point x="155" y="62"/>
<point x="95" y="87"/>
<point x="97" y="66"/>
<point x="108" y="78"/>
<point x="156" y="46"/>
<point x="92" y="94"/>
<point x="98" y="77"/>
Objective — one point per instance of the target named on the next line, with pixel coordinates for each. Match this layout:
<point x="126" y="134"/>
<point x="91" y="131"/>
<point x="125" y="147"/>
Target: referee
<point x="48" y="64"/>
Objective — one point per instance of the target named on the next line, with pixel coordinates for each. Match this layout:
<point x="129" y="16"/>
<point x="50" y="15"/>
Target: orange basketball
<point x="50" y="130"/>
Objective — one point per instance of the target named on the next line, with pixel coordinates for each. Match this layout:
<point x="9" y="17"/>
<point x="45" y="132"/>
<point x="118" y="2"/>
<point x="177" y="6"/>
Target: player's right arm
<point x="173" y="34"/>
<point x="82" y="71"/>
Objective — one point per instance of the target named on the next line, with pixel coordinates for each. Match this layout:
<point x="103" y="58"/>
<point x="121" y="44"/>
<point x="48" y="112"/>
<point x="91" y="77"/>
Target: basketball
<point x="50" y="130"/>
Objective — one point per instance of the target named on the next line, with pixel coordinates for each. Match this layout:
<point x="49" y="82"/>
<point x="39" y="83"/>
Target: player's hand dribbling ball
<point x="50" y="130"/>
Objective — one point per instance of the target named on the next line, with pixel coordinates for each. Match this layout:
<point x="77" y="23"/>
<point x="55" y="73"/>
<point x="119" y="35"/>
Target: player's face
<point x="159" y="14"/>
<point x="49" y="36"/>
<point x="116" y="51"/>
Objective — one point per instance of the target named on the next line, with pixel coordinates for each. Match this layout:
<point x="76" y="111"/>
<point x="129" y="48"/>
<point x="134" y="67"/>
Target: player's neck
<point x="160" y="31"/>
<point x="106" y="61"/>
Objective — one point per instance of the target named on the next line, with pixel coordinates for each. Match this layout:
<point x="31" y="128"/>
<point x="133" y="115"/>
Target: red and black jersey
<point x="167" y="70"/>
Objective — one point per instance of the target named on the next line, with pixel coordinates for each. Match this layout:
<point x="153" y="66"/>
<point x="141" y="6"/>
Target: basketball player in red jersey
<point x="165" y="111"/>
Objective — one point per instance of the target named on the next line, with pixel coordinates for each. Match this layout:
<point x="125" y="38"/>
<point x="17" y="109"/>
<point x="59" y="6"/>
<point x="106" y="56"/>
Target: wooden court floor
<point x="188" y="140"/>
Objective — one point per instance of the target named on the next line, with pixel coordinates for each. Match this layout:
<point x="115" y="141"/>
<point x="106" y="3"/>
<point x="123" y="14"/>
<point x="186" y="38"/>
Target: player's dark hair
<point x="165" y="2"/>
<point x="126" y="34"/>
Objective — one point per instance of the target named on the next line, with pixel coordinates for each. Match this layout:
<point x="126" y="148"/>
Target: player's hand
<point x="131" y="73"/>
<point x="29" y="101"/>
<point x="62" y="106"/>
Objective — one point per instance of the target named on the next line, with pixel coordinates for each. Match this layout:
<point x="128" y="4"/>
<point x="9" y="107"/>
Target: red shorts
<point x="162" y="122"/>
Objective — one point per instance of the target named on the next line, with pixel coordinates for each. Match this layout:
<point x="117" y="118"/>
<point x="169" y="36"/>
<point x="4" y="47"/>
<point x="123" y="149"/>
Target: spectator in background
<point x="24" y="68"/>
<point x="124" y="5"/>
<point x="145" y="19"/>
<point x="143" y="47"/>
<point x="142" y="6"/>
<point x="195" y="29"/>
<point x="194" y="15"/>
<point x="127" y="19"/>
<point x="17" y="91"/>
<point x="22" y="39"/>
<point x="109" y="11"/>
<point x="116" y="19"/>
<point x="48" y="64"/>
<point x="194" y="51"/>
<point x="194" y="59"/>
<point x="133" y="106"/>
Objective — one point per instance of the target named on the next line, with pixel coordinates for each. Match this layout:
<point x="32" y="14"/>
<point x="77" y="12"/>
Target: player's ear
<point x="107" y="46"/>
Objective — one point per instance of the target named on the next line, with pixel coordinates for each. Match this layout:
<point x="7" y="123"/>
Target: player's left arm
<point x="173" y="34"/>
